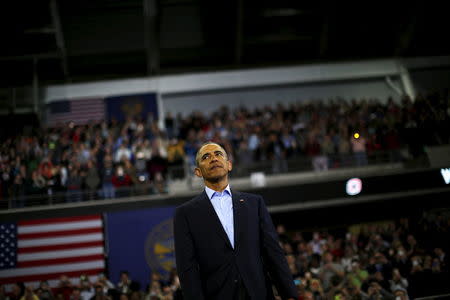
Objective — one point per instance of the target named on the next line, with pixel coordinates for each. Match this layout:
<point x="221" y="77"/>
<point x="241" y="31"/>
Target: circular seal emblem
<point x="159" y="248"/>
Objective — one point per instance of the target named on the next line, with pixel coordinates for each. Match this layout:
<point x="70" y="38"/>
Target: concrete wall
<point x="426" y="80"/>
<point x="227" y="80"/>
<point x="266" y="86"/>
<point x="254" y="97"/>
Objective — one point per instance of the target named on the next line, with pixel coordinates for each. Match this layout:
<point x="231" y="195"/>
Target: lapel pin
<point x="242" y="200"/>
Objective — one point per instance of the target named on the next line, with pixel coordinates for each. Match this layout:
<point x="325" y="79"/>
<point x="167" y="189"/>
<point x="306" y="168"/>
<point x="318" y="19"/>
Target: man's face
<point x="213" y="163"/>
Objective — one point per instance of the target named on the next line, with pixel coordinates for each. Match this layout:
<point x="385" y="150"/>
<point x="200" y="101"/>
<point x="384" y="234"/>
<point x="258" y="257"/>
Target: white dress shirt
<point x="223" y="205"/>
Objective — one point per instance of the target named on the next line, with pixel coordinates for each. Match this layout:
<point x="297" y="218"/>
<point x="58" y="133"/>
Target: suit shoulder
<point x="250" y="196"/>
<point x="190" y="203"/>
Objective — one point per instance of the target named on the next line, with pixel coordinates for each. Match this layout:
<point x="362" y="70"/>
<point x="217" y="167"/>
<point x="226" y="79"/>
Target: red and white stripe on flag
<point x="81" y="111"/>
<point x="49" y="248"/>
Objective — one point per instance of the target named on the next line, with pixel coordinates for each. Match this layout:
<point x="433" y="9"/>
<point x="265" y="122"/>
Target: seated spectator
<point x="377" y="292"/>
<point x="99" y="293"/>
<point x="157" y="168"/>
<point x="76" y="294"/>
<point x="400" y="294"/>
<point x="154" y="291"/>
<point x="74" y="193"/>
<point x="314" y="152"/>
<point x="316" y="289"/>
<point x="18" y="291"/>
<point x="18" y="192"/>
<point x="379" y="264"/>
<point x="108" y="189"/>
<point x="124" y="284"/>
<point x="64" y="288"/>
<point x="92" y="180"/>
<point x="328" y="269"/>
<point x="37" y="183"/>
<point x="46" y="292"/>
<point x="107" y="284"/>
<point x="140" y="165"/>
<point x="398" y="282"/>
<point x="328" y="150"/>
<point x="122" y="182"/>
<point x="357" y="276"/>
<point x="29" y="294"/>
<point x="344" y="150"/>
<point x="176" y="158"/>
<point x="122" y="153"/>
<point x="86" y="288"/>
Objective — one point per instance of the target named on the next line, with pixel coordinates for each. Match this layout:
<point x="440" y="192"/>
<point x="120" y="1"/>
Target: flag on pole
<point x="45" y="249"/>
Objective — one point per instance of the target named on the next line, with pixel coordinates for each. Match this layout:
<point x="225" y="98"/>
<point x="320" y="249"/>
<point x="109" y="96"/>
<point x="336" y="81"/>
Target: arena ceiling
<point x="55" y="41"/>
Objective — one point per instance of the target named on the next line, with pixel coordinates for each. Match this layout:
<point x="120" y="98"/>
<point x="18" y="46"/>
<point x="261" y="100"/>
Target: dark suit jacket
<point x="208" y="266"/>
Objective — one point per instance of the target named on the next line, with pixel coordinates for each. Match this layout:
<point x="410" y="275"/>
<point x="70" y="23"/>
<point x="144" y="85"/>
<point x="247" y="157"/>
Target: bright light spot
<point x="353" y="186"/>
<point x="356" y="135"/>
<point x="446" y="175"/>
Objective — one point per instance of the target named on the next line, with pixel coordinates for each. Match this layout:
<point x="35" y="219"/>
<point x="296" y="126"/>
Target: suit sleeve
<point x="187" y="265"/>
<point x="273" y="255"/>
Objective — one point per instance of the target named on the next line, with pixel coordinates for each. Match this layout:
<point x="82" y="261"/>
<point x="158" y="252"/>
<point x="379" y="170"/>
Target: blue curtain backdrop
<point x="136" y="105"/>
<point x="140" y="242"/>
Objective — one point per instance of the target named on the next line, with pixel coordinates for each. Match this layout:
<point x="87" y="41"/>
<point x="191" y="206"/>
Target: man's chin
<point x="217" y="178"/>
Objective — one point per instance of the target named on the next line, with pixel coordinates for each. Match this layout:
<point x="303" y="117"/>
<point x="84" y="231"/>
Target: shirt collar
<point x="210" y="192"/>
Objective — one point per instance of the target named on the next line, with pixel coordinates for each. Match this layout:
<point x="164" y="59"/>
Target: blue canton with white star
<point x="8" y="245"/>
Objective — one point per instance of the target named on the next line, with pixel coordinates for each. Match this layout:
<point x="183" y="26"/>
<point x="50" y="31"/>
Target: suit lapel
<point x="238" y="215"/>
<point x="207" y="211"/>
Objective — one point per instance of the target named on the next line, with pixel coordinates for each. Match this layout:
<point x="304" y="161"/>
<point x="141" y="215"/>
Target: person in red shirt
<point x="122" y="182"/>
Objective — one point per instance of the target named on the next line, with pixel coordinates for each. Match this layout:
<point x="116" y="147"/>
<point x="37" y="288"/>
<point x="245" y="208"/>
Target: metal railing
<point x="184" y="172"/>
<point x="317" y="163"/>
<point x="443" y="296"/>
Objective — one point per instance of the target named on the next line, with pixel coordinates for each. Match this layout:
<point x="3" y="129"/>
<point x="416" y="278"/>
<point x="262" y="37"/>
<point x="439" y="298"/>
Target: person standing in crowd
<point x="124" y="284"/>
<point x="108" y="189"/>
<point x="359" y="149"/>
<point x="225" y="241"/>
<point x="92" y="180"/>
<point x="46" y="291"/>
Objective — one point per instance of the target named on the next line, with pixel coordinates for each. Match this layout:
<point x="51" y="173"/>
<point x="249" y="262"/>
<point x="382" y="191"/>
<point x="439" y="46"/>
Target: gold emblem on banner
<point x="159" y="248"/>
<point x="132" y="107"/>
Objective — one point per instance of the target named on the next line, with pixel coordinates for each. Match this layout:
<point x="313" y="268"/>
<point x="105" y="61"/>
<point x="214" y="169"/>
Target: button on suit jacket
<point x="208" y="266"/>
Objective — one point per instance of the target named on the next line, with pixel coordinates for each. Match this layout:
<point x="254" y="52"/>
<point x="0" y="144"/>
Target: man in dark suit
<point x="225" y="243"/>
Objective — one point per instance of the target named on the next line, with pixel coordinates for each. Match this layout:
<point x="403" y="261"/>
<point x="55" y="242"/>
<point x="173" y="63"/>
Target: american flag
<point x="31" y="251"/>
<point x="80" y="111"/>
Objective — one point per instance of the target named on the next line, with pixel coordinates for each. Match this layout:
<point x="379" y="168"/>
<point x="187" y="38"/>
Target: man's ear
<point x="230" y="165"/>
<point x="198" y="173"/>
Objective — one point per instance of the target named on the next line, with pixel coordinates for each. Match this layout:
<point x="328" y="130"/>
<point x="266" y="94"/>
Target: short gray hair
<point x="197" y="156"/>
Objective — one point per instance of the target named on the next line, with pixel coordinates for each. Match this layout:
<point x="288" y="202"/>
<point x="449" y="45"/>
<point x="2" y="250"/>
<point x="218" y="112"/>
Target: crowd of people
<point x="107" y="160"/>
<point x="405" y="258"/>
<point x="398" y="259"/>
<point x="100" y="289"/>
